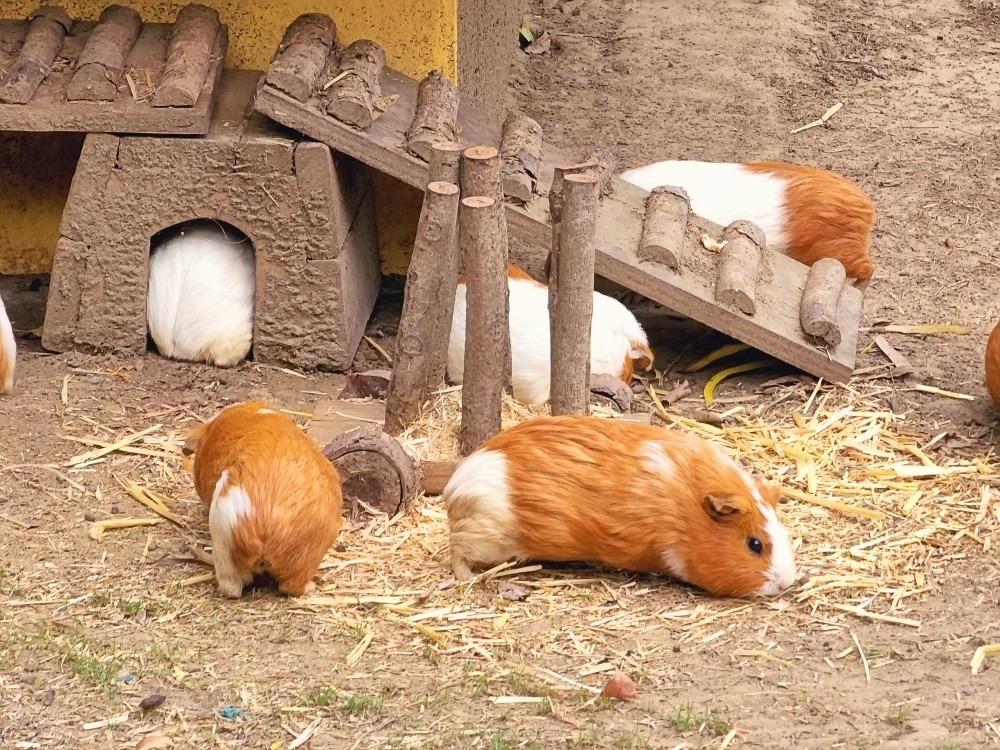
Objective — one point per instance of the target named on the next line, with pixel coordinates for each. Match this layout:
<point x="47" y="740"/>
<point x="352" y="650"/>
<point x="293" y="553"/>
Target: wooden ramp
<point x="775" y="327"/>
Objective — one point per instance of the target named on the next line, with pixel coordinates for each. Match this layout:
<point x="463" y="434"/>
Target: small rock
<point x="620" y="687"/>
<point x="49" y="697"/>
<point x="115" y="510"/>
<point x="949" y="242"/>
<point x="152" y="701"/>
<point x="89" y="517"/>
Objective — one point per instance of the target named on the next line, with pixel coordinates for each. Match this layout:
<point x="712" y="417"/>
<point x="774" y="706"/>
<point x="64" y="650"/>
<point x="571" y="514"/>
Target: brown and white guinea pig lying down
<point x="993" y="366"/>
<point x="8" y="352"/>
<point x="805" y="213"/>
<point x="617" y="342"/>
<point x="273" y="498"/>
<point x="201" y="295"/>
<point x="631" y="496"/>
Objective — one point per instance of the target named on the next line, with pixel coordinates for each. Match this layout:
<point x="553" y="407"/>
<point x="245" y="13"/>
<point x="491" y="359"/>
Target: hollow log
<point x="189" y="56"/>
<point x="102" y="61"/>
<point x="445" y="163"/>
<point x="739" y="266"/>
<point x="435" y="118"/>
<point x="486" y="323"/>
<point x="574" y="304"/>
<point x="302" y="55"/>
<point x="818" y="307"/>
<point x="521" y="155"/>
<point x="352" y="97"/>
<point x="374" y="471"/>
<point x="420" y="321"/>
<point x="48" y="27"/>
<point x="667" y="210"/>
<point x="614" y="389"/>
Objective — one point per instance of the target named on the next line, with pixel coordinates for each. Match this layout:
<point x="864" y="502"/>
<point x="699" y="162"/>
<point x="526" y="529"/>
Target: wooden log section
<point x="574" y="309"/>
<point x="445" y="166"/>
<point x="486" y="326"/>
<point x="353" y="96"/>
<point x="419" y="323"/>
<point x="614" y="389"/>
<point x="102" y="61"/>
<point x="435" y="116"/>
<point x="374" y="471"/>
<point x="48" y="26"/>
<point x="189" y="55"/>
<point x="739" y="266"/>
<point x="667" y="210"/>
<point x="820" y="298"/>
<point x="302" y="55"/>
<point x="521" y="155"/>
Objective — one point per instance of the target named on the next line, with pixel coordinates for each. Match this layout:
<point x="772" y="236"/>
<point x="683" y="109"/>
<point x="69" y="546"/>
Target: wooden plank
<point x="48" y="110"/>
<point x="436" y="475"/>
<point x="775" y="329"/>
<point x="332" y="417"/>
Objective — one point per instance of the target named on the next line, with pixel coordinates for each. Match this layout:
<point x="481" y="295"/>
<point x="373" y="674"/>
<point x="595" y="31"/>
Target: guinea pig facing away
<point x="993" y="366"/>
<point x="201" y="295"/>
<point x="630" y="496"/>
<point x="805" y="213"/>
<point x="273" y="498"/>
<point x="8" y="352"/>
<point x="618" y="343"/>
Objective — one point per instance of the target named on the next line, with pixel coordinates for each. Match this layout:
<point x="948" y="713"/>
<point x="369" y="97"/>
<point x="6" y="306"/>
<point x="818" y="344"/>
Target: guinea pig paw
<point x="309" y="588"/>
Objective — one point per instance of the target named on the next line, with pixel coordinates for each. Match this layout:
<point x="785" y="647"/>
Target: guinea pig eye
<point x="755" y="545"/>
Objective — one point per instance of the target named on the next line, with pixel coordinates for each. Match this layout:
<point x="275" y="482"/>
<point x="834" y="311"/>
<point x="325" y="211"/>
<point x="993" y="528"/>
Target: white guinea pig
<point x="201" y="295"/>
<point x="617" y="341"/>
<point x="805" y="213"/>
<point x="8" y="352"/>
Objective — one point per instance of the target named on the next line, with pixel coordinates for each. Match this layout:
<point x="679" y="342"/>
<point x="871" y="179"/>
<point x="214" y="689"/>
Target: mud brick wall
<point x="308" y="214"/>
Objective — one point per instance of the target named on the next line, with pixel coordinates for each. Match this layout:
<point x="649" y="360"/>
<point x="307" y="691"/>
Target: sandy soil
<point x="89" y="628"/>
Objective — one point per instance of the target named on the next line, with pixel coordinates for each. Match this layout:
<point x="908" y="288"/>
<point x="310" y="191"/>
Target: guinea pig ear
<point x="192" y="440"/>
<point x="642" y="355"/>
<point x="721" y="509"/>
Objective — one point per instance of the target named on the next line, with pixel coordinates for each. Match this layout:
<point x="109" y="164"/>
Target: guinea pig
<point x="631" y="496"/>
<point x="993" y="365"/>
<point x="617" y="342"/>
<point x="201" y="295"/>
<point x="805" y="213"/>
<point x="273" y="498"/>
<point x="8" y="352"/>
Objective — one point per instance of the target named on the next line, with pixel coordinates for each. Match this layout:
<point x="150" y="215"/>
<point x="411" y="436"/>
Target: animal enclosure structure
<point x="307" y="211"/>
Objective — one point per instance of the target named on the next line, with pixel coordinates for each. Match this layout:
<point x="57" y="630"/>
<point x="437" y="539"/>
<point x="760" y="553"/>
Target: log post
<point x="419" y="324"/>
<point x="49" y="25"/>
<point x="820" y="297"/>
<point x="486" y="326"/>
<point x="521" y="154"/>
<point x="374" y="471"/>
<point x="302" y="55"/>
<point x="739" y="266"/>
<point x="667" y="210"/>
<point x="445" y="166"/>
<point x="435" y="118"/>
<point x="189" y="56"/>
<point x="352" y="97"/>
<point x="102" y="61"/>
<point x="574" y="308"/>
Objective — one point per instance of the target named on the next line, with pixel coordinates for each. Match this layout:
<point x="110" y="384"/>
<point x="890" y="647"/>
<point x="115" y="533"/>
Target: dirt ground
<point x="391" y="654"/>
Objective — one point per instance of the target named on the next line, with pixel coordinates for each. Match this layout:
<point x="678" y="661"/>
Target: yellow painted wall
<point x="36" y="169"/>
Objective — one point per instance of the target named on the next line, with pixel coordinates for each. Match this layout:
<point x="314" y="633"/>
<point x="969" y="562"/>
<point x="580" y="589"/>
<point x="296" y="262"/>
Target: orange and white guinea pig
<point x="617" y="342"/>
<point x="201" y="295"/>
<point x="631" y="496"/>
<point x="805" y="213"/>
<point x="273" y="498"/>
<point x="8" y="352"/>
<point x="993" y="365"/>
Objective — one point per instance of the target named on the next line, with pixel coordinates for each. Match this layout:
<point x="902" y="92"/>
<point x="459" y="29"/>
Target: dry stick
<point x="486" y="324"/>
<point x="739" y="266"/>
<point x="302" y="55"/>
<point x="481" y="176"/>
<point x="102" y="61"/>
<point x="419" y="323"/>
<point x="189" y="56"/>
<point x="352" y="98"/>
<point x="818" y="307"/>
<point x="521" y="154"/>
<point x="573" y="313"/>
<point x="49" y="24"/>
<point x="445" y="166"/>
<point x="435" y="118"/>
<point x="667" y="211"/>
